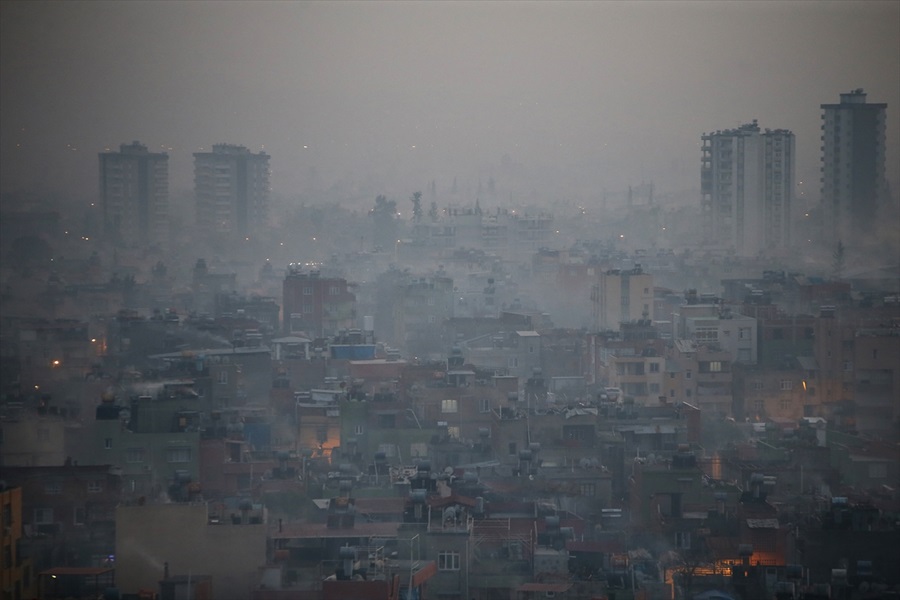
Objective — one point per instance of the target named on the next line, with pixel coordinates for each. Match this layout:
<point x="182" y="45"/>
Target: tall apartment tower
<point x="747" y="187"/>
<point x="231" y="185"/>
<point x="134" y="194"/>
<point x="853" y="162"/>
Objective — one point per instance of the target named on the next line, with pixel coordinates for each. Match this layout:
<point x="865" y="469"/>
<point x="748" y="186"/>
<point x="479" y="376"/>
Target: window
<point x="453" y="432"/>
<point x="687" y="374"/>
<point x="587" y="489"/>
<point x="307" y="290"/>
<point x="758" y="385"/>
<point x="715" y="366"/>
<point x="94" y="487"/>
<point x="654" y="367"/>
<point x="743" y="333"/>
<point x="787" y="385"/>
<point x="448" y="561"/>
<point x="484" y="405"/>
<point x="134" y="455"/>
<point x="79" y="517"/>
<point x="307" y="309"/>
<point x="107" y="444"/>
<point x="53" y="488"/>
<point x="390" y="450"/>
<point x="449" y="405"/>
<point x="878" y="471"/>
<point x="785" y="404"/>
<point x="359" y="430"/>
<point x="511" y="449"/>
<point x="178" y="455"/>
<point x="333" y="290"/>
<point x="706" y="334"/>
<point x="848" y="365"/>
<point x="223" y="377"/>
<point x="43" y="516"/>
<point x="683" y="539"/>
<point x="654" y="388"/>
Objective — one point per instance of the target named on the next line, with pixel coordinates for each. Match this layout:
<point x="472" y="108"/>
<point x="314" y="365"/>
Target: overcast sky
<point x="595" y="95"/>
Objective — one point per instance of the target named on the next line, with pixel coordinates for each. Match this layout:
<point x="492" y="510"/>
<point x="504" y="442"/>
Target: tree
<point x="417" y="206"/>
<point x="433" y="211"/>
<point x="384" y="215"/>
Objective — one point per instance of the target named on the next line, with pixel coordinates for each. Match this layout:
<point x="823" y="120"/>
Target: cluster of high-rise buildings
<point x="748" y="179"/>
<point x="231" y="190"/>
<point x="748" y="184"/>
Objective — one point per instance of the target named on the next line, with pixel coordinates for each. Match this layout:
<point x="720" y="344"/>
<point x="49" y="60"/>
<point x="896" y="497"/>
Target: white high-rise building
<point x="747" y="186"/>
<point x="134" y="194"/>
<point x="853" y="162"/>
<point x="231" y="185"/>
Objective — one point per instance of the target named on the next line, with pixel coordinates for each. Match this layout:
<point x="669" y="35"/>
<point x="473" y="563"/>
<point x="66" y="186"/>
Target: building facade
<point x="315" y="305"/>
<point x="231" y="185"/>
<point x="134" y="194"/>
<point x="621" y="297"/>
<point x="853" y="162"/>
<point x="747" y="183"/>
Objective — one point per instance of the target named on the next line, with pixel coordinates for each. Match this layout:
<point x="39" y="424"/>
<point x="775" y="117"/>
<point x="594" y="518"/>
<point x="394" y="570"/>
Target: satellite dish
<point x="448" y="471"/>
<point x="531" y="477"/>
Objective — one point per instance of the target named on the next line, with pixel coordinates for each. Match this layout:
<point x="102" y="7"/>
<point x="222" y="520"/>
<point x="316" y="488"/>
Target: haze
<point x="384" y="97"/>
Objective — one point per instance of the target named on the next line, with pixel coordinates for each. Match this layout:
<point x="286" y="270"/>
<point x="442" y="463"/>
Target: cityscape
<point x="474" y="349"/>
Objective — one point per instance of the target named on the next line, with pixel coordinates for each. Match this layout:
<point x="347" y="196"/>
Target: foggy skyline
<point x="585" y="96"/>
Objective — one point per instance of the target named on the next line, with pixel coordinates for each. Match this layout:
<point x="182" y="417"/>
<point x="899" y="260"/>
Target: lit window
<point x="449" y="405"/>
